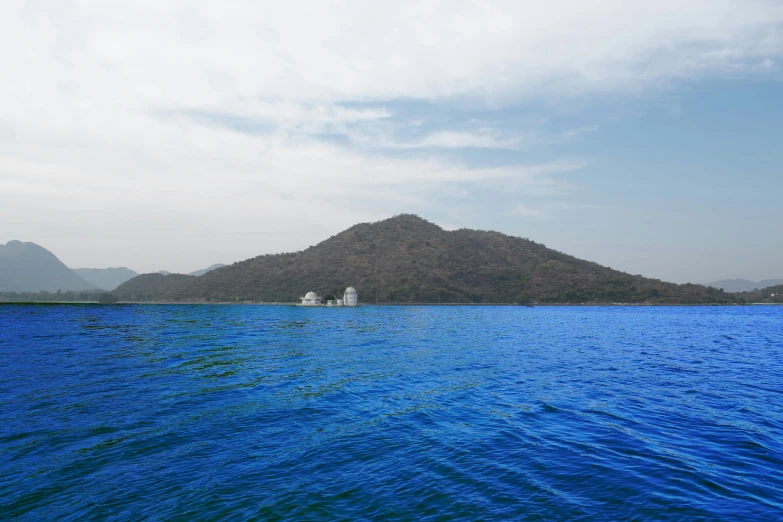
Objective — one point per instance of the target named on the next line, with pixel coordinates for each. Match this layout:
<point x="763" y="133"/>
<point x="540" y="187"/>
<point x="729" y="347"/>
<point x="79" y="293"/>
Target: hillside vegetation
<point x="151" y="287"/>
<point x="70" y="296"/>
<point x="407" y="259"/>
<point x="771" y="294"/>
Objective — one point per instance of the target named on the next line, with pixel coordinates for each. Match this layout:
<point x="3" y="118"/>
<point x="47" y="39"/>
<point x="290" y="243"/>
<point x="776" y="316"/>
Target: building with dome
<point x="310" y="299"/>
<point x="350" y="297"/>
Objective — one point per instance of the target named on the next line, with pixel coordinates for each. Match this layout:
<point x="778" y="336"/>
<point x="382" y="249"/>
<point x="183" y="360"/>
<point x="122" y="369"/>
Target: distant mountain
<point x="151" y="287"/>
<point x="407" y="259"/>
<point x="743" y="285"/>
<point x="106" y="278"/>
<point x="734" y="285"/>
<point x="205" y="270"/>
<point x="27" y="267"/>
<point x="768" y="294"/>
<point x="197" y="272"/>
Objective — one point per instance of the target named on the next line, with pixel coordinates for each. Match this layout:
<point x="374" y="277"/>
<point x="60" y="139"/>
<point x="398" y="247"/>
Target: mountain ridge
<point x="409" y="259"/>
<point x="744" y="285"/>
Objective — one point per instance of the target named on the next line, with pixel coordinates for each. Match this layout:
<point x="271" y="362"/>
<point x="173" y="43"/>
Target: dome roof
<point x="311" y="295"/>
<point x="350" y="290"/>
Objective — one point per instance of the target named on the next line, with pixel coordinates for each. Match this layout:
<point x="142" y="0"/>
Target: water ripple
<point x="397" y="413"/>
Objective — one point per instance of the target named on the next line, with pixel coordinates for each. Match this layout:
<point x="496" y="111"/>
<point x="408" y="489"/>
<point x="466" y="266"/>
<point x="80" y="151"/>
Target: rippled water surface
<point x="242" y="412"/>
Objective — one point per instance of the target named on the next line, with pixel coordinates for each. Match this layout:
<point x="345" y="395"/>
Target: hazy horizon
<point x="189" y="270"/>
<point x="172" y="136"/>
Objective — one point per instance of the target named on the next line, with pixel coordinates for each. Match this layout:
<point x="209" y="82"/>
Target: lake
<point x="399" y="413"/>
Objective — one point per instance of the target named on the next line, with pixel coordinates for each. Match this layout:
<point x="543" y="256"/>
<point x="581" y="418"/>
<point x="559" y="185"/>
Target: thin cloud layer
<point x="209" y="53"/>
<point x="223" y="117"/>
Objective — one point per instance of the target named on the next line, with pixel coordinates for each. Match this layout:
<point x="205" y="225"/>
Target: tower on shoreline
<point x="350" y="297"/>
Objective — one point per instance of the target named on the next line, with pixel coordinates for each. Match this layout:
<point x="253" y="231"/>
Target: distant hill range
<point x="404" y="259"/>
<point x="105" y="278"/>
<point x="743" y="285"/>
<point x="27" y="267"/>
<point x="30" y="268"/>
<point x="157" y="286"/>
<point x="407" y="259"/>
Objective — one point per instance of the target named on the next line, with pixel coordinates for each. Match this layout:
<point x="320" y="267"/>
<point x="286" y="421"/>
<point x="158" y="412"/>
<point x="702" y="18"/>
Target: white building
<point x="350" y="298"/>
<point x="310" y="299"/>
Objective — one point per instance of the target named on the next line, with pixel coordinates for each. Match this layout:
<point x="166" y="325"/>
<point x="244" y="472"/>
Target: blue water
<point x="398" y="413"/>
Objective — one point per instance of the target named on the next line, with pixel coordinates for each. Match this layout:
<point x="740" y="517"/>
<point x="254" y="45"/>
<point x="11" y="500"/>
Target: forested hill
<point x="151" y="287"/>
<point x="408" y="259"/>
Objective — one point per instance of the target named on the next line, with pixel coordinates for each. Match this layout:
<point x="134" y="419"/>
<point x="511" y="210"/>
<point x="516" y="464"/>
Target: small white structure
<point x="350" y="298"/>
<point x="310" y="299"/>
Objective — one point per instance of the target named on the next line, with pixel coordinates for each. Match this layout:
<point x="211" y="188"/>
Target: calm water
<point x="252" y="412"/>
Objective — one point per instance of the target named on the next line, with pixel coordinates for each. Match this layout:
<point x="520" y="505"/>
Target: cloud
<point x="375" y="128"/>
<point x="443" y="139"/>
<point x="214" y="116"/>
<point x="186" y="54"/>
<point x="525" y="211"/>
<point x="542" y="211"/>
<point x="211" y="182"/>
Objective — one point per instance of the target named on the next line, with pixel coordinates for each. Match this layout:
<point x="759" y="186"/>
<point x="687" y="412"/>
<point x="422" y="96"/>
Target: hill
<point x="744" y="285"/>
<point x="27" y="267"/>
<point x="407" y="259"/>
<point x="105" y="278"/>
<point x="734" y="285"/>
<point x="151" y="287"/>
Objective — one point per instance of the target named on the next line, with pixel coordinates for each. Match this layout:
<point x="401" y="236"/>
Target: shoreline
<point x="293" y="304"/>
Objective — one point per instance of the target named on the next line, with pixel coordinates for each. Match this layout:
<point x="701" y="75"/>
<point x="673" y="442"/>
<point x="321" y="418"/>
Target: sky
<point x="646" y="136"/>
